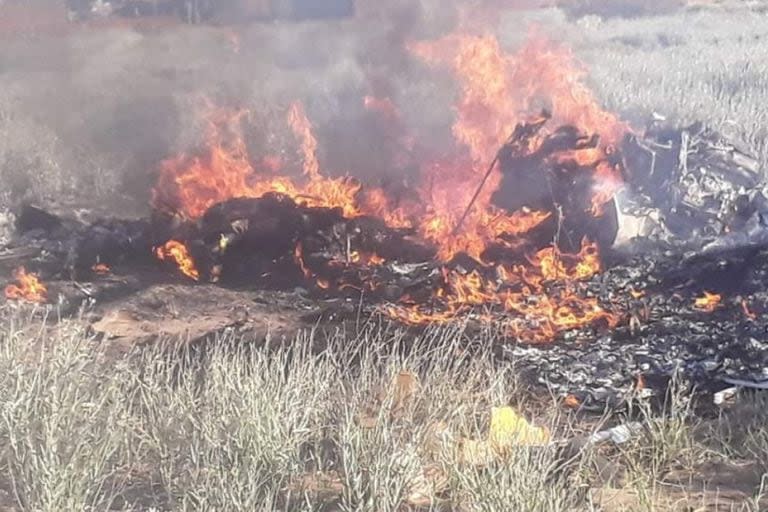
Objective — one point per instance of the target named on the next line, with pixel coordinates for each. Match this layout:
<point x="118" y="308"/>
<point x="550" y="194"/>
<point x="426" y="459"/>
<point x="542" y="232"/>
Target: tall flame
<point x="497" y="91"/>
<point x="28" y="287"/>
<point x="190" y="184"/>
<point x="302" y="129"/>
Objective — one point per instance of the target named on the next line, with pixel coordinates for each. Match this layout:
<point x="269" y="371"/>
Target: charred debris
<point x="684" y="248"/>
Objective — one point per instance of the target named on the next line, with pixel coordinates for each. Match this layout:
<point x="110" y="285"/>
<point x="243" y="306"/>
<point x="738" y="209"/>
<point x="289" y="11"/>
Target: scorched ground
<point x="512" y="227"/>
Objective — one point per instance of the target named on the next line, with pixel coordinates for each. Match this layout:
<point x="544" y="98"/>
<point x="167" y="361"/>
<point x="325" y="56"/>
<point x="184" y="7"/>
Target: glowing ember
<point x="27" y="288"/>
<point x="178" y="253"/>
<point x="101" y="269"/>
<point x="709" y="302"/>
<point x="748" y="313"/>
<point x="363" y="258"/>
<point x="298" y="257"/>
<point x="571" y="402"/>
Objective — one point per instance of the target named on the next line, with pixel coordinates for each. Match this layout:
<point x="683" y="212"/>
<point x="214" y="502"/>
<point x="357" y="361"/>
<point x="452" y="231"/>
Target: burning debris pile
<point x="556" y="225"/>
<point x="27" y="287"/>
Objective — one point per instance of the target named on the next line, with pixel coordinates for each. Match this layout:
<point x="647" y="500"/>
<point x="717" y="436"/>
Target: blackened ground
<point x="665" y="334"/>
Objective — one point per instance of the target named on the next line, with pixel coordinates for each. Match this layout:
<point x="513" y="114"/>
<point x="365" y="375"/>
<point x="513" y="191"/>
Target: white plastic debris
<point x="617" y="435"/>
<point x="725" y="395"/>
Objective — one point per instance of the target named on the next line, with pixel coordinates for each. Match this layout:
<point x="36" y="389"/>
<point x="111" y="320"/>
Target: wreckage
<point x="694" y="239"/>
<point x="693" y="185"/>
<point x="596" y="254"/>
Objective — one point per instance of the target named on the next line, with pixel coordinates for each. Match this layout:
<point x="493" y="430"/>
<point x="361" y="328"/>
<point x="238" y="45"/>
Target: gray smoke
<point x="86" y="114"/>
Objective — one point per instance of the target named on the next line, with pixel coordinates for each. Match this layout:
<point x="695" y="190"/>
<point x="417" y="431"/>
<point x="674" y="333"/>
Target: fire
<point x="28" y="287"/>
<point x="303" y="130"/>
<point x="178" y="253"/>
<point x="748" y="313"/>
<point x="571" y="402"/>
<point x="101" y="269"/>
<point x="383" y="106"/>
<point x="640" y="384"/>
<point x="298" y="257"/>
<point x="497" y="92"/>
<point x="536" y="313"/>
<point x="541" y="296"/>
<point x="709" y="302"/>
<point x="190" y="184"/>
<point x="365" y="258"/>
<point x="320" y="191"/>
<point x="233" y="39"/>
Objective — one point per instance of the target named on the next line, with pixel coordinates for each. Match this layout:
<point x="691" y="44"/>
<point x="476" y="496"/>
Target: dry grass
<point x="695" y="65"/>
<point x="247" y="428"/>
<point x="294" y="427"/>
<point x="372" y="422"/>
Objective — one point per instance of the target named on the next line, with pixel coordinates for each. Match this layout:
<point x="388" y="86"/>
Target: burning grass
<point x="349" y="422"/>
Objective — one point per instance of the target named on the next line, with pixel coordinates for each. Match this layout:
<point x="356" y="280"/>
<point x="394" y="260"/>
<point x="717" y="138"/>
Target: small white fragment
<point x="617" y="435"/>
<point x="725" y="395"/>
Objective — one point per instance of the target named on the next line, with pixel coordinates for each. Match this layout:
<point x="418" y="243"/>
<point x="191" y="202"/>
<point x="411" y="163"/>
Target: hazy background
<point x="86" y="114"/>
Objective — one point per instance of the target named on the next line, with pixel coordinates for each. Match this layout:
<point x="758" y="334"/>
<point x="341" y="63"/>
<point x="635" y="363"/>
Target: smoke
<point x="88" y="113"/>
<point x="622" y="9"/>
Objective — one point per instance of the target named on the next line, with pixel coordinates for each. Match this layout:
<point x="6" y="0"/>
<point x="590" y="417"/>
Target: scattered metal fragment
<point x="617" y="435"/>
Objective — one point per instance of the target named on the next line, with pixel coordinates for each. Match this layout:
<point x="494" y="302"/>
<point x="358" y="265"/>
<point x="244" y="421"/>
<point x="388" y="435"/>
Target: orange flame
<point x="192" y="184"/>
<point x="383" y="106"/>
<point x="748" y="313"/>
<point x="709" y="302"/>
<point x="298" y="257"/>
<point x="101" y="269"/>
<point x="302" y="128"/>
<point x="571" y="402"/>
<point x="320" y="191"/>
<point x="366" y="258"/>
<point x="496" y="92"/>
<point x="28" y="287"/>
<point x="536" y="314"/>
<point x="178" y="253"/>
<point x="640" y="382"/>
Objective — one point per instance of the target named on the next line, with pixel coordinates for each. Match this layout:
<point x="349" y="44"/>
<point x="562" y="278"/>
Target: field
<point x="376" y="421"/>
<point x="373" y="420"/>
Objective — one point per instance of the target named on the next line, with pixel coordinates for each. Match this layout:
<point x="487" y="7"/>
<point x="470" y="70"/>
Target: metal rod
<point x="477" y="194"/>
